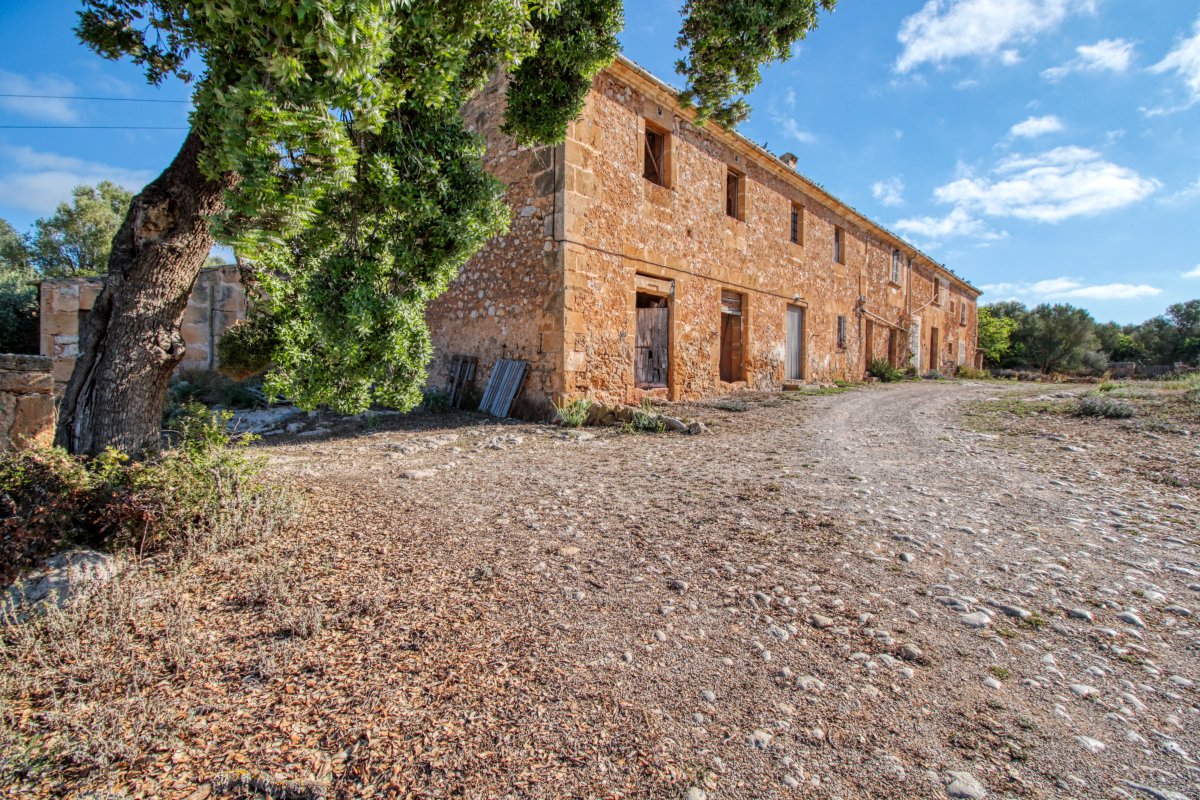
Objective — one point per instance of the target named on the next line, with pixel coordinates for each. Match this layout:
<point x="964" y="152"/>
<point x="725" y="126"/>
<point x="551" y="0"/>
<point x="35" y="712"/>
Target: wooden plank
<point x="503" y="386"/>
<point x="652" y="346"/>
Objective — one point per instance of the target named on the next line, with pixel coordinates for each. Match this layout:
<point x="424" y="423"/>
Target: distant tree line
<point x="1063" y="338"/>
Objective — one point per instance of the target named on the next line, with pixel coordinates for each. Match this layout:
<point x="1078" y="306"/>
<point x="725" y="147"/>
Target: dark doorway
<point x="731" y="336"/>
<point x="651" y="354"/>
<point x="933" y="348"/>
<point x="795" y="343"/>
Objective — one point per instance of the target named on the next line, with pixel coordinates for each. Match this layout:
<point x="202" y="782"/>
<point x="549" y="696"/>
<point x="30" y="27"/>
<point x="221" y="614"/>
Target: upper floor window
<point x="939" y="290"/>
<point x="962" y="313"/>
<point x="655" y="169"/>
<point x="797" y="223"/>
<point x="896" y="266"/>
<point x="841" y="331"/>
<point x="735" y="194"/>
<point x="839" y="245"/>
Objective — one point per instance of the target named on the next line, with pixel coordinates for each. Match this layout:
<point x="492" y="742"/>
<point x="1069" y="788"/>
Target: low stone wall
<point x="218" y="300"/>
<point x="27" y="412"/>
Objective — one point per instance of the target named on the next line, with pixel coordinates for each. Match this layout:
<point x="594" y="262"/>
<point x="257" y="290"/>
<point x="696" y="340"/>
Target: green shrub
<point x="573" y="414"/>
<point x="646" y="419"/>
<point x="1107" y="407"/>
<point x="933" y="375"/>
<point x="1108" y="386"/>
<point x="734" y="406"/>
<point x="436" y="401"/>
<point x="972" y="374"/>
<point x="214" y="388"/>
<point x="18" y="314"/>
<point x="245" y="349"/>
<point x="884" y="370"/>
<point x="204" y="493"/>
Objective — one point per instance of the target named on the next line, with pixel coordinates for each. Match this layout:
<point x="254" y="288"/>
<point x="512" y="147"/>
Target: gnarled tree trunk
<point x="131" y="342"/>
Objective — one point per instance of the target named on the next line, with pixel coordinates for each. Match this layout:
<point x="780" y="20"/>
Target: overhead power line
<point x="108" y="99"/>
<point x="92" y="128"/>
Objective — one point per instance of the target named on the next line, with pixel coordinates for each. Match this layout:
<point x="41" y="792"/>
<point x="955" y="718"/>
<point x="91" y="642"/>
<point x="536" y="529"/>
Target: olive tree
<point x="326" y="144"/>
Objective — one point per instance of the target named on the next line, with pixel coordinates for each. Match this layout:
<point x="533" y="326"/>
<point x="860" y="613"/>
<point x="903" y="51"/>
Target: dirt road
<point x="848" y="596"/>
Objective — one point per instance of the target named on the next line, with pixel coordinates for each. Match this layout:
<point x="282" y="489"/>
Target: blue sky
<point x="1046" y="150"/>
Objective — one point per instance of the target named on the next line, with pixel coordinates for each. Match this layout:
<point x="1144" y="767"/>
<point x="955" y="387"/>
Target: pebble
<point x="976" y="620"/>
<point x="1081" y="613"/>
<point x="1016" y="612"/>
<point x="696" y="793"/>
<point x="1131" y="618"/>
<point x="1091" y="745"/>
<point x="677" y="585"/>
<point x="760" y="739"/>
<point x="910" y="652"/>
<point x="820" y="621"/>
<point x="965" y="786"/>
<point x="709" y="696"/>
<point x="1083" y="690"/>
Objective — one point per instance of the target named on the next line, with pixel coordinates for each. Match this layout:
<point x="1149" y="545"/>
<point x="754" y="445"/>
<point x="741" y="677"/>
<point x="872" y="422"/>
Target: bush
<point x="205" y="493"/>
<point x="213" y="388"/>
<point x="646" y="419"/>
<point x="18" y="314"/>
<point x="245" y="349"/>
<point x="884" y="370"/>
<point x="972" y="374"/>
<point x="575" y="413"/>
<point x="933" y="375"/>
<point x="1107" y="407"/>
<point x="436" y="401"/>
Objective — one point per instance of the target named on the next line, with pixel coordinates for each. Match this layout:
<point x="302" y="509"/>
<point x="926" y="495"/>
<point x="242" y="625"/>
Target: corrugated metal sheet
<point x="503" y="387"/>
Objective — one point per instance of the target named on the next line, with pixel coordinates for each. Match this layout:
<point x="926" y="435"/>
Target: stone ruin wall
<point x="506" y="302"/>
<point x="620" y="225"/>
<point x="218" y="300"/>
<point x="27" y="412"/>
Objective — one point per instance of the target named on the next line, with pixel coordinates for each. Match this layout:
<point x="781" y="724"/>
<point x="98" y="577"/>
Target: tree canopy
<point x="77" y="238"/>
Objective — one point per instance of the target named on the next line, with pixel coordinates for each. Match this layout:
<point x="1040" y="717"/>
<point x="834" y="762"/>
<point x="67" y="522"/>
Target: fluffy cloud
<point x="1184" y="61"/>
<point x="1070" y="289"/>
<point x="944" y="30"/>
<point x="46" y="109"/>
<point x="1050" y="187"/>
<point x="890" y="192"/>
<point x="38" y="181"/>
<point x="957" y="224"/>
<point x="1037" y="126"/>
<point x="1193" y="273"/>
<point x="1111" y="55"/>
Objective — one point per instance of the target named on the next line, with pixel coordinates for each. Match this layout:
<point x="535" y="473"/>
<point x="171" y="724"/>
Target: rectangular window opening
<point x="839" y="245"/>
<point x="896" y="267"/>
<point x="841" y="332"/>
<point x="733" y="195"/>
<point x="797" y="224"/>
<point x="655" y="169"/>
<point x="962" y="314"/>
<point x="732" y="336"/>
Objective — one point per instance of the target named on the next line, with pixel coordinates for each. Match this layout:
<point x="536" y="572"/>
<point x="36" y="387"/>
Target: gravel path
<point x="846" y="596"/>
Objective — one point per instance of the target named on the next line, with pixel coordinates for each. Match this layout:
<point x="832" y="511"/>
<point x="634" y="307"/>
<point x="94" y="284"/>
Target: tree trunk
<point x="131" y="342"/>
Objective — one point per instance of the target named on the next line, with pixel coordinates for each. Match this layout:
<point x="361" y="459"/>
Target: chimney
<point x="789" y="159"/>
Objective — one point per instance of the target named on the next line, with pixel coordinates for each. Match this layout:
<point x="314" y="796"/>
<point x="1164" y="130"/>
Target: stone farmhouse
<point x="653" y="256"/>
<point x="648" y="256"/>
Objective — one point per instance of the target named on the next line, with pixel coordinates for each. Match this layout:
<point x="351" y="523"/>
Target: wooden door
<point x="651" y="351"/>
<point x="933" y="348"/>
<point x="731" y="336"/>
<point x="870" y="337"/>
<point x="795" y="343"/>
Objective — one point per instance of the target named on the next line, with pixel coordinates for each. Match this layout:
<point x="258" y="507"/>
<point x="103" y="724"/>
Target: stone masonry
<point x="596" y="244"/>
<point x="218" y="300"/>
<point x="27" y="413"/>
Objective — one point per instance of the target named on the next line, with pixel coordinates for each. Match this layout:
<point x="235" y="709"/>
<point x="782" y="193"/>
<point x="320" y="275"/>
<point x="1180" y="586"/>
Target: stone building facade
<point x="27" y="413"/>
<point x="218" y="300"/>
<point x="653" y="256"/>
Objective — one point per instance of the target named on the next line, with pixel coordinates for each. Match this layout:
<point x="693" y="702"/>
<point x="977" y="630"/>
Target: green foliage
<point x="77" y="238"/>
<point x="884" y="370"/>
<point x="726" y="42"/>
<point x="436" y="401"/>
<point x="576" y="43"/>
<point x="18" y="313"/>
<point x="972" y="374"/>
<point x="995" y="334"/>
<point x="573" y="414"/>
<point x="1055" y="338"/>
<point x="206" y="491"/>
<point x="14" y="251"/>
<point x="646" y="419"/>
<point x="1100" y="406"/>
<point x="245" y="350"/>
<point x="212" y="388"/>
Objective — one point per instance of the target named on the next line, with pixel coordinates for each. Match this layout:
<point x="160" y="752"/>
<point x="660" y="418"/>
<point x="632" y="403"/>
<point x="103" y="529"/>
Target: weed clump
<point x="573" y="414"/>
<point x="1107" y="407"/>
<point x="884" y="370"/>
<point x="972" y="374"/>
<point x="646" y="419"/>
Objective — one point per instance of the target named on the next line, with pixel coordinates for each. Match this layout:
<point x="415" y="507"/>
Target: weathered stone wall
<point x="507" y="301"/>
<point x="218" y="300"/>
<point x="27" y="413"/>
<point x="619" y="225"/>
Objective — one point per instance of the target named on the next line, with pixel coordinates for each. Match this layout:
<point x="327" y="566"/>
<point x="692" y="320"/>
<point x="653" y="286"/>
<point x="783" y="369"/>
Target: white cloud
<point x="792" y="128"/>
<point x="958" y="223"/>
<point x="1184" y="60"/>
<point x="944" y="30"/>
<point x="1037" y="126"/>
<point x="1106" y="55"/>
<point x="40" y="108"/>
<point x="1184" y="196"/>
<point x="1071" y="289"/>
<point x="1049" y="187"/>
<point x="1193" y="273"/>
<point x="890" y="192"/>
<point x="38" y="181"/>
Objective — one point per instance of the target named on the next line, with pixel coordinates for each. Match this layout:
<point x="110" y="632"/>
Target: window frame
<point x="735" y="194"/>
<point x="841" y="331"/>
<point x="796" y="232"/>
<point x="897" y="258"/>
<point x="664" y="154"/>
<point x="839" y="245"/>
